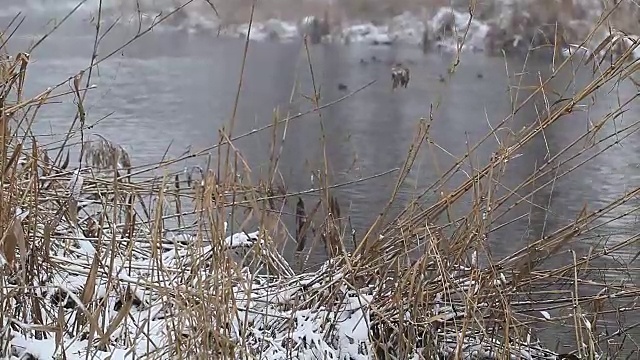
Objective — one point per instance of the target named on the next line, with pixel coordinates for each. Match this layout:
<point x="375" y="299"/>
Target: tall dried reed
<point x="90" y="268"/>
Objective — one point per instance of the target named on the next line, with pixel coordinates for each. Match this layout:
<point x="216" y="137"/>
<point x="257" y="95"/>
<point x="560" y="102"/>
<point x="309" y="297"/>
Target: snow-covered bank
<point x="146" y="299"/>
<point x="405" y="28"/>
<point x="447" y="30"/>
<point x="92" y="283"/>
<point x="512" y="26"/>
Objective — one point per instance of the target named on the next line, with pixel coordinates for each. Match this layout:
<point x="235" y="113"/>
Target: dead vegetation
<point x="89" y="266"/>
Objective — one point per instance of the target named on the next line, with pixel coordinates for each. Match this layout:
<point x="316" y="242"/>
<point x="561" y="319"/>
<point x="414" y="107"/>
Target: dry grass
<point x="87" y="262"/>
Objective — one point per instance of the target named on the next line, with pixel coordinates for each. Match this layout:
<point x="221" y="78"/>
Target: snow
<point x="461" y="23"/>
<point x="283" y="316"/>
<point x="448" y="29"/>
<point x="75" y="184"/>
<point x="367" y="33"/>
<point x="619" y="44"/>
<point x="406" y="28"/>
<point x="47" y="348"/>
<point x="273" y="29"/>
<point x="262" y="316"/>
<point x="353" y="331"/>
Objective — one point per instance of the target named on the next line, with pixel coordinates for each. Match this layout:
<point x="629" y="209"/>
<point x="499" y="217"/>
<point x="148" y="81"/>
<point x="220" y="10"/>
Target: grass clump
<point x="91" y="268"/>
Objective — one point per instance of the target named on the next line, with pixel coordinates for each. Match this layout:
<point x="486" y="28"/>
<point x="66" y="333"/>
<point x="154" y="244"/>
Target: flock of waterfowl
<point x="400" y="73"/>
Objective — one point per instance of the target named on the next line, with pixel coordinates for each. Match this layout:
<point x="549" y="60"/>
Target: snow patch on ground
<point x="272" y="317"/>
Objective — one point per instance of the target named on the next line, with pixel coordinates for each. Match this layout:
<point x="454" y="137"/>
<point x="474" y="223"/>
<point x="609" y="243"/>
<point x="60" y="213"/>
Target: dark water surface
<point x="174" y="89"/>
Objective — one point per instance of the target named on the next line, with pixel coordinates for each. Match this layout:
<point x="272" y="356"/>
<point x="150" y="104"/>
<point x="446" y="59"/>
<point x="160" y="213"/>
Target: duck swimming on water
<point x="400" y="75"/>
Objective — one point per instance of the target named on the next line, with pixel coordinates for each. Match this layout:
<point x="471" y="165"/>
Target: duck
<point x="400" y="75"/>
<point x="342" y="87"/>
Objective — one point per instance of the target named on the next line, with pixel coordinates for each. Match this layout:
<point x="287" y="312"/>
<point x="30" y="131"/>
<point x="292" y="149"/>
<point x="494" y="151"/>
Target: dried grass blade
<point x="13" y="159"/>
<point x="47" y="162"/>
<point x="130" y="219"/>
<point x="24" y="61"/>
<point x="122" y="314"/>
<point x="10" y="244"/>
<point x="606" y="43"/>
<point x="65" y="163"/>
<point x="88" y="291"/>
<point x="22" y="244"/>
<point x="301" y="221"/>
<point x="630" y="71"/>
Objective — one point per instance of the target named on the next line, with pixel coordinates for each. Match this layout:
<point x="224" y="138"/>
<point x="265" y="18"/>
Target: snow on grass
<point x="152" y="296"/>
<point x="275" y="317"/>
<point x="74" y="349"/>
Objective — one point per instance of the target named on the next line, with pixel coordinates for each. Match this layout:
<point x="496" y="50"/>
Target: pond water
<point x="170" y="93"/>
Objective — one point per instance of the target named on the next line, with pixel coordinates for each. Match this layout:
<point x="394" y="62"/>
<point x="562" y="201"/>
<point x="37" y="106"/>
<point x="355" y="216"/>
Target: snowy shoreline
<point x="273" y="317"/>
<point x="514" y="28"/>
<point x="127" y="290"/>
<point x="405" y="28"/>
<point x="447" y="30"/>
